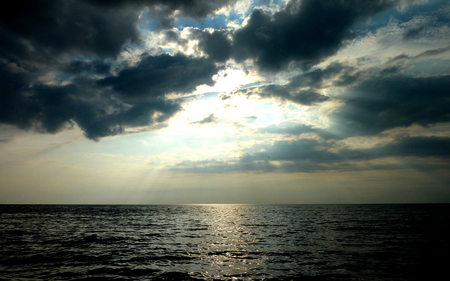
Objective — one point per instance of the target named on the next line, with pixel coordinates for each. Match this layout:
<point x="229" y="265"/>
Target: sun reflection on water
<point x="230" y="244"/>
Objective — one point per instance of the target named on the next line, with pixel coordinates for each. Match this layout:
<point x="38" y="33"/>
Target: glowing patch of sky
<point x="228" y="81"/>
<point x="219" y="21"/>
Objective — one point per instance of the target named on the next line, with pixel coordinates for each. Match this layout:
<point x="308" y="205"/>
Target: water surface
<point x="224" y="242"/>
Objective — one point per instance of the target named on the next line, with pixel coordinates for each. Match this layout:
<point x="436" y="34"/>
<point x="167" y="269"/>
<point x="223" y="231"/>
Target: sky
<point x="232" y="101"/>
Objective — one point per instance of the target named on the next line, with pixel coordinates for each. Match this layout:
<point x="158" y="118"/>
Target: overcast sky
<point x="232" y="101"/>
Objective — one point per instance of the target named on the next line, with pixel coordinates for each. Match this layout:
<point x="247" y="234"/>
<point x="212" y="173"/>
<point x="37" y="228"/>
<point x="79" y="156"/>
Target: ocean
<point x="224" y="242"/>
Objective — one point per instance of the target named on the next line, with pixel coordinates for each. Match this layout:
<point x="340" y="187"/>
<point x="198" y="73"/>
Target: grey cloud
<point x="348" y="79"/>
<point x="209" y="119"/>
<point x="26" y="103"/>
<point x="215" y="166"/>
<point x="15" y="105"/>
<point x="374" y="100"/>
<point x="400" y="58"/>
<point x="285" y="92"/>
<point x="46" y="108"/>
<point x="80" y="38"/>
<point x="389" y="70"/>
<point x="308" y="97"/>
<point x="75" y="39"/>
<point x="430" y="24"/>
<point x="216" y="45"/>
<point x="33" y="29"/>
<point x="396" y="64"/>
<point x="287" y="128"/>
<point x="43" y="29"/>
<point x="306" y="154"/>
<point x="55" y="106"/>
<point x="381" y="103"/>
<point x="309" y="155"/>
<point x="303" y="149"/>
<point x="156" y="76"/>
<point x="169" y="10"/>
<point x="86" y="67"/>
<point x="305" y="32"/>
<point x="433" y="52"/>
<point x="339" y="74"/>
<point x="413" y="33"/>
<point x="425" y="54"/>
<point x="99" y="117"/>
<point x="224" y="97"/>
<point x="316" y="77"/>
<point x="302" y="89"/>
<point x="415" y="146"/>
<point x="174" y="37"/>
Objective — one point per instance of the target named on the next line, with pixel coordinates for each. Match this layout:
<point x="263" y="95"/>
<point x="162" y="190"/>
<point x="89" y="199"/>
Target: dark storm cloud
<point x="29" y="104"/>
<point x="97" y="123"/>
<point x="216" y="45"/>
<point x="46" y="108"/>
<point x="85" y="67"/>
<point x="305" y="31"/>
<point x="169" y="10"/>
<point x="51" y="27"/>
<point x="52" y="108"/>
<point x="42" y="29"/>
<point x="72" y="40"/>
<point x="336" y="73"/>
<point x="55" y="106"/>
<point x="97" y="111"/>
<point x="155" y="76"/>
<point x="382" y="103"/>
<point x="15" y="106"/>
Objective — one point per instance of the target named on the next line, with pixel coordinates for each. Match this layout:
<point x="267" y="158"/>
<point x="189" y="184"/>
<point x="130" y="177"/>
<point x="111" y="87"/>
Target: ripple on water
<point x="223" y="242"/>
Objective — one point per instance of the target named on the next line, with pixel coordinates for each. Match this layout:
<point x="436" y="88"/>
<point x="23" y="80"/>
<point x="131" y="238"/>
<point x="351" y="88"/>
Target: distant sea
<point x="225" y="242"/>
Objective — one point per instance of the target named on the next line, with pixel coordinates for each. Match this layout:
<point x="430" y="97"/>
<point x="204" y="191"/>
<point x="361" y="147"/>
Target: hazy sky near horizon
<point x="233" y="101"/>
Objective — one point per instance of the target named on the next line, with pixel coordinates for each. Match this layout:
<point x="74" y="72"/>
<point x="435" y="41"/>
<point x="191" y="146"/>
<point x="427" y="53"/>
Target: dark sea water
<point x="224" y="242"/>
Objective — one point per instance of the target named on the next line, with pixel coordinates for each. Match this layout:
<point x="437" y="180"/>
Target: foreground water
<point x="224" y="242"/>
